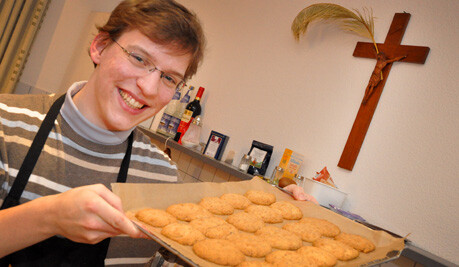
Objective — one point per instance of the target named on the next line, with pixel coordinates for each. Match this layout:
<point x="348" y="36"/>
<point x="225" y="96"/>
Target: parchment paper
<point x="138" y="196"/>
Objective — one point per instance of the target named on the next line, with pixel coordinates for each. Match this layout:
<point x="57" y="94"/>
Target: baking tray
<point x="138" y="196"/>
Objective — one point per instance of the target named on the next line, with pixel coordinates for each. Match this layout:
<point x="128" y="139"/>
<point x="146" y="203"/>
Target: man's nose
<point x="150" y="83"/>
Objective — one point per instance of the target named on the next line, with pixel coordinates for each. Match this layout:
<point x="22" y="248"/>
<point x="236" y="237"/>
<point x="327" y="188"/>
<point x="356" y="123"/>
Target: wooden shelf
<point x="198" y="155"/>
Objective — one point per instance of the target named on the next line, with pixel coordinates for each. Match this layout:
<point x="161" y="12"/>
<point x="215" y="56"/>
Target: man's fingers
<point x="142" y="235"/>
<point x="127" y="226"/>
<point x="108" y="196"/>
<point x="312" y="199"/>
<point x="107" y="206"/>
<point x="299" y="194"/>
<point x="116" y="219"/>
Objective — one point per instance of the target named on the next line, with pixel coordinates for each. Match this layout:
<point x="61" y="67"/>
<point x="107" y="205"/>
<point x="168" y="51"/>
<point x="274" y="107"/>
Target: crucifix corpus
<point x="390" y="51"/>
<point x="385" y="54"/>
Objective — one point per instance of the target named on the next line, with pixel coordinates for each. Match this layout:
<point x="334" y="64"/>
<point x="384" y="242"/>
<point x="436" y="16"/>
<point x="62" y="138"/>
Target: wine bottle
<point x="192" y="110"/>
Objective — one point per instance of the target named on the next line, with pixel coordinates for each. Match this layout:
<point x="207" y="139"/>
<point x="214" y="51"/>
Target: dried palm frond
<point x="348" y="20"/>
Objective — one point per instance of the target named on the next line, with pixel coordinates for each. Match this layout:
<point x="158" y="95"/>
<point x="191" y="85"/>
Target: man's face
<point x="120" y="95"/>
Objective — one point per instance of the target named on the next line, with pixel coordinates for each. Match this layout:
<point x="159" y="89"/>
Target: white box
<point x="324" y="194"/>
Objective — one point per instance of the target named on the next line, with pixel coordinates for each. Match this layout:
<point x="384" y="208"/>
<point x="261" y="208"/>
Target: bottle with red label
<point x="192" y="110"/>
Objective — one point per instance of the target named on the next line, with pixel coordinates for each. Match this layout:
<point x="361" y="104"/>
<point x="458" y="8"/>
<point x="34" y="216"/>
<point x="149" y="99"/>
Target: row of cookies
<point x="259" y="208"/>
<point x="250" y="221"/>
<point x="324" y="252"/>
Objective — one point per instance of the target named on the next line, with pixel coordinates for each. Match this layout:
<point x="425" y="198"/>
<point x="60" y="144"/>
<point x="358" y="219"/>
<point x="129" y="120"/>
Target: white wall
<point x="262" y="85"/>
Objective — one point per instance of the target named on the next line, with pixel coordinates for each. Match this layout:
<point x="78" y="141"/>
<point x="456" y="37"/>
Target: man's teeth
<point x="130" y="101"/>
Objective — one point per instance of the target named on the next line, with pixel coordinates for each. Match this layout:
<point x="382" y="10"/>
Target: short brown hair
<point x="165" y="22"/>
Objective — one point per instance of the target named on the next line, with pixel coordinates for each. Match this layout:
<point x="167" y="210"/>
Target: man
<point x="56" y="207"/>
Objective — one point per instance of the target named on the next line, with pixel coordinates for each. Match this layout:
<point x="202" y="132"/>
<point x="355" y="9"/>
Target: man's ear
<point x="98" y="45"/>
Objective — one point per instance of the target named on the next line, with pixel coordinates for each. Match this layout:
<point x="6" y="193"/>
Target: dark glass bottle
<point x="192" y="110"/>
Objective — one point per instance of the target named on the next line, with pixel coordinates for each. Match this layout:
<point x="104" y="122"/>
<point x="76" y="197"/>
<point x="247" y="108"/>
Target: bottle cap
<point x="200" y="92"/>
<point x="177" y="95"/>
<point x="299" y="177"/>
<point x="186" y="97"/>
<point x="197" y="121"/>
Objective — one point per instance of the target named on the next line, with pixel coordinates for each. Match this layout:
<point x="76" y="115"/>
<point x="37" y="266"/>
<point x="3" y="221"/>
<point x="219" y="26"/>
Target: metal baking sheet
<point x="138" y="196"/>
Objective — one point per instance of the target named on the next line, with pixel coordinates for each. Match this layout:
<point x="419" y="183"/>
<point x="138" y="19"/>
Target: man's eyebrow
<point x="152" y="59"/>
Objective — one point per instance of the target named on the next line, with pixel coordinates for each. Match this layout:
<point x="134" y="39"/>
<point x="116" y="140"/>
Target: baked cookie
<point x="260" y="197"/>
<point x="250" y="245"/>
<point x="188" y="211"/>
<point x="155" y="217"/>
<point x="245" y="221"/>
<point x="221" y="231"/>
<point x="356" y="241"/>
<point x="182" y="233"/>
<point x="281" y="258"/>
<point x="340" y="250"/>
<point x="216" y="206"/>
<point x="320" y="257"/>
<point x="255" y="264"/>
<point x="280" y="238"/>
<point x="288" y="210"/>
<point x="238" y="201"/>
<point x="327" y="228"/>
<point x="266" y="213"/>
<point x="307" y="232"/>
<point x="218" y="251"/>
<point x="202" y="224"/>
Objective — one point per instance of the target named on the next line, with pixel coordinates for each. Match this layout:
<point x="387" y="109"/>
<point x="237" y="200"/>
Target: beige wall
<point x="262" y="85"/>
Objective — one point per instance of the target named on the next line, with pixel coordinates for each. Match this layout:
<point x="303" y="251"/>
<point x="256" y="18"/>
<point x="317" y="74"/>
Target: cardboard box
<point x="291" y="162"/>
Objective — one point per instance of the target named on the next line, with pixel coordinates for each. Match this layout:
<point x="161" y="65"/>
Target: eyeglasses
<point x="170" y="81"/>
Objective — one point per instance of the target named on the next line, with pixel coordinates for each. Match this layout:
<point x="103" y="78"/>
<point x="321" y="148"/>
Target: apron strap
<point x="122" y="175"/>
<point x="32" y="155"/>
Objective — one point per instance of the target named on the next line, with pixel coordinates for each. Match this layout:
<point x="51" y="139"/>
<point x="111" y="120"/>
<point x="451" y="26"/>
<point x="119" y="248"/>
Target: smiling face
<point x="119" y="95"/>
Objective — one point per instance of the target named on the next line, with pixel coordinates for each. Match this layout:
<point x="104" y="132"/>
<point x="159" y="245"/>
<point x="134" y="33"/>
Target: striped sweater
<point x="69" y="161"/>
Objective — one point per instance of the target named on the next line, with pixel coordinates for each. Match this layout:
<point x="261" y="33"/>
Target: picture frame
<point x="261" y="154"/>
<point x="215" y="145"/>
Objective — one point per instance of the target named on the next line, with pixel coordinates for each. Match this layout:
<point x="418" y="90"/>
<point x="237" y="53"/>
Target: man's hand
<point x="299" y="194"/>
<point x="85" y="214"/>
<point x="89" y="214"/>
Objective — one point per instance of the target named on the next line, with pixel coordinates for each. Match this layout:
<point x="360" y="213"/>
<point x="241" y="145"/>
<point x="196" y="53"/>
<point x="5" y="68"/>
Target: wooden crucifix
<point x="390" y="51"/>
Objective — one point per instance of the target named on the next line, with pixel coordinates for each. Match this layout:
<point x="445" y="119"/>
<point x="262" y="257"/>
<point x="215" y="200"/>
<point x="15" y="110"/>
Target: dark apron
<point x="55" y="251"/>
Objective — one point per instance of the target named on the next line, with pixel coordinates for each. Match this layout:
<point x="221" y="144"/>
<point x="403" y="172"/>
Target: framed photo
<point x="215" y="145"/>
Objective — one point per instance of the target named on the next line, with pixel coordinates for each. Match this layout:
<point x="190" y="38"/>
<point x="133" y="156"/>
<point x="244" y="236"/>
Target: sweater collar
<point x="84" y="127"/>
